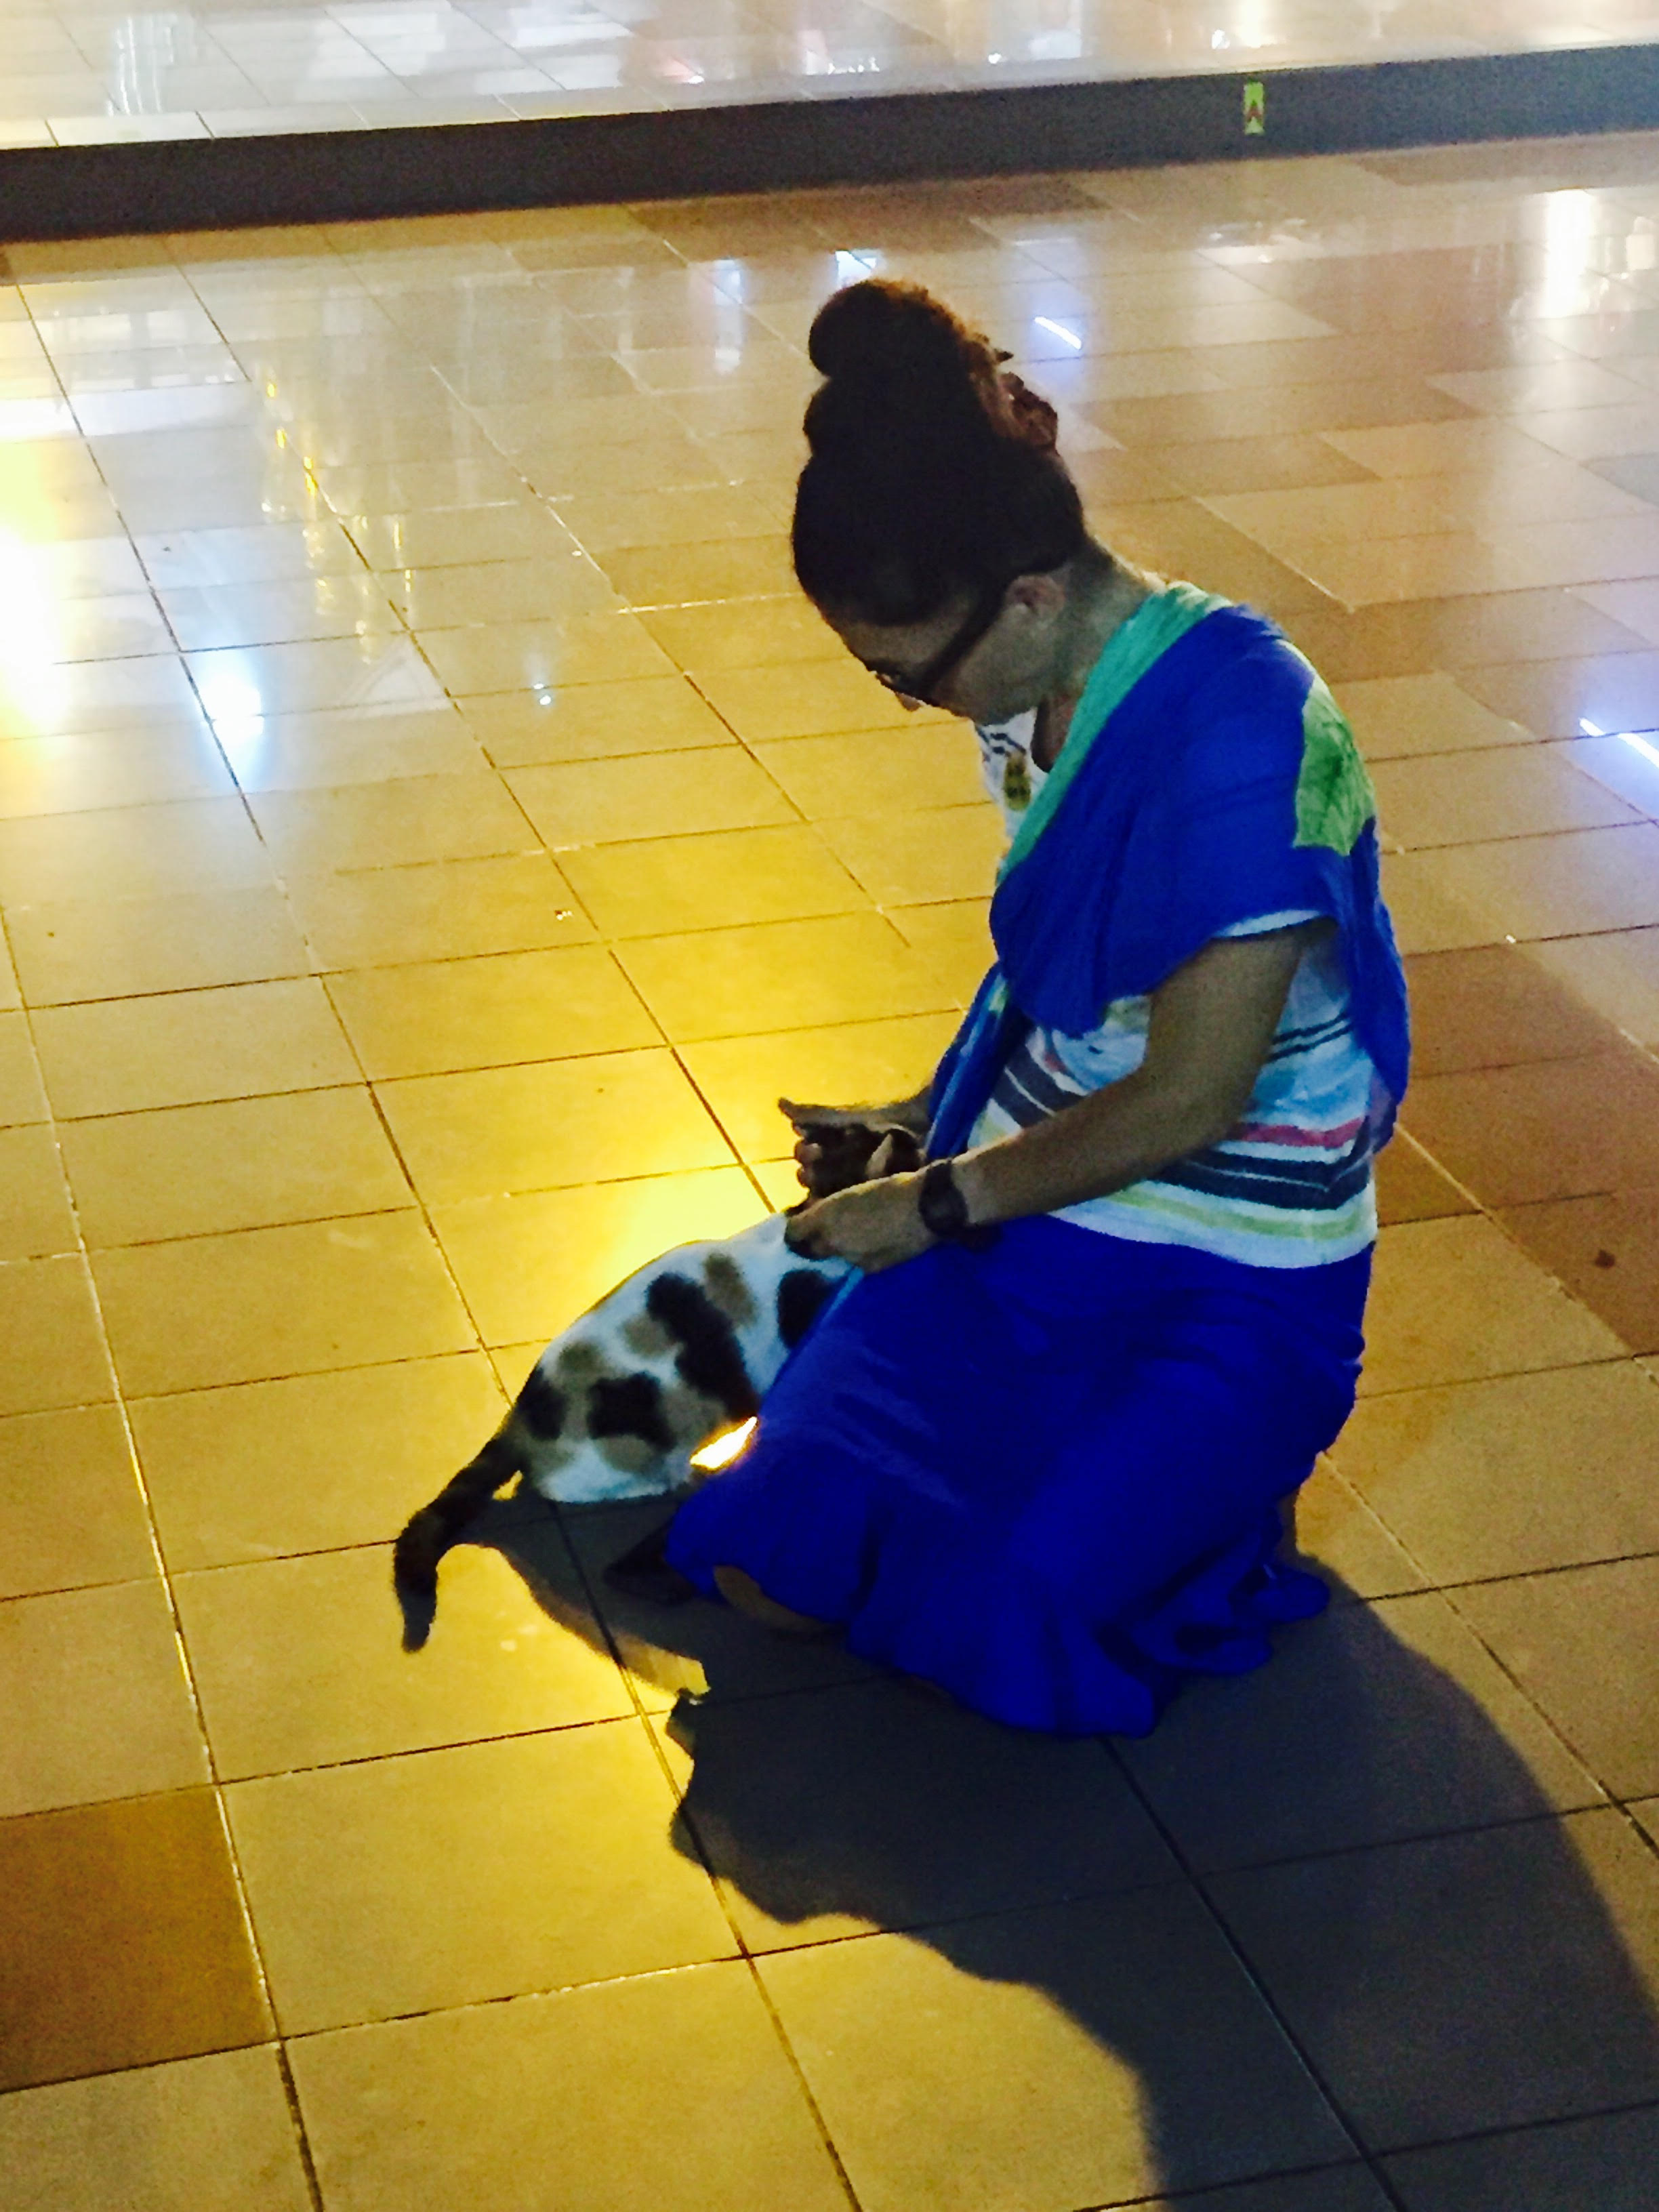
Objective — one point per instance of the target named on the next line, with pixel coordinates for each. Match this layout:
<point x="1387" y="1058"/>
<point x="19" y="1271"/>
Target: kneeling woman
<point x="1036" y="1453"/>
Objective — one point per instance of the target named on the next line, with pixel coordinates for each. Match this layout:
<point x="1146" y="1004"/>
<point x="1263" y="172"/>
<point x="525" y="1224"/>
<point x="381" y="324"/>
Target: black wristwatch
<point x="944" y="1210"/>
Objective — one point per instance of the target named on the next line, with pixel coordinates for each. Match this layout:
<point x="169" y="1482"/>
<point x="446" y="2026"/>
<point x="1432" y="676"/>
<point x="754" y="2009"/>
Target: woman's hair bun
<point x="877" y="329"/>
<point x="932" y="469"/>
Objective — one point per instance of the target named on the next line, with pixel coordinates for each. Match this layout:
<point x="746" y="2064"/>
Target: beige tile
<point x="441" y="911"/>
<point x="1371" y="1724"/>
<point x="440" y="538"/>
<point x="945" y="1814"/>
<point x="392" y="823"/>
<point x="120" y="1055"/>
<point x="1072" y="2055"/>
<point x="398" y="1885"/>
<point x="276" y="611"/>
<point x="111" y="948"/>
<point x="1457" y="799"/>
<point x="720" y="878"/>
<point x="125" y="1943"/>
<point x="298" y="1662"/>
<point x="237" y="1163"/>
<point x="549" y="1124"/>
<point x="1597" y="551"/>
<point x="512" y="1006"/>
<point x="131" y="851"/>
<point x="257" y="1471"/>
<point x="818" y="698"/>
<point x="563" y="472"/>
<point x="70" y="1511"/>
<point x="35" y="1220"/>
<point x="933" y="764"/>
<point x="604" y="522"/>
<point x="541" y="656"/>
<point x="153" y="692"/>
<point x="1504" y="1477"/>
<point x="1454" y="1301"/>
<point x="51" y="1351"/>
<point x="1335" y="1533"/>
<point x="334" y="747"/>
<point x="745" y="634"/>
<point x="1524" y="889"/>
<point x="954" y="937"/>
<point x="1369" y="572"/>
<point x="96" y="1698"/>
<point x="463" y="595"/>
<point x="1616" y="974"/>
<point x="529" y="1265"/>
<point x="316" y="675"/>
<point x="854" y="1063"/>
<point x="926" y="854"/>
<point x="1556" y="1634"/>
<point x="733" y="982"/>
<point x="1635" y="603"/>
<point x="220" y="1309"/>
<point x="565" y="2099"/>
<point x="264" y="553"/>
<point x="595" y="722"/>
<point x="1619" y="765"/>
<point x="62" y="775"/>
<point x="1465" y="1982"/>
<point x="201" y="2135"/>
<point x="648" y="795"/>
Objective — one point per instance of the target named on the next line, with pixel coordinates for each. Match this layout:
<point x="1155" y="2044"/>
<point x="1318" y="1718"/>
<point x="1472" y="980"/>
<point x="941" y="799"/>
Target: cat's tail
<point x="429" y="1533"/>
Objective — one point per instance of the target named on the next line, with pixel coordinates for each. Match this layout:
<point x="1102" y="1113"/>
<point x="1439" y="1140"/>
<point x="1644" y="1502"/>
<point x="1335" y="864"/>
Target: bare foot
<point x="745" y="1594"/>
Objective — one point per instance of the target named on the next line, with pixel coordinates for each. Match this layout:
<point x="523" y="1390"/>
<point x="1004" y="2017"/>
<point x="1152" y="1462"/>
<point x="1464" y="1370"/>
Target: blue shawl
<point x="1209" y="778"/>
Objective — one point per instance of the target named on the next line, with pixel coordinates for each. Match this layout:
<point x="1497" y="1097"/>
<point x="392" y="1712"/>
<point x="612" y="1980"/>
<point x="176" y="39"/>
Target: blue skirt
<point x="1047" y="1476"/>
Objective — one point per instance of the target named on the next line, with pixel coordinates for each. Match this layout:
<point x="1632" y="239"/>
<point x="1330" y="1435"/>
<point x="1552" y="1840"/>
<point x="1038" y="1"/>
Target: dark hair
<point x="933" y="470"/>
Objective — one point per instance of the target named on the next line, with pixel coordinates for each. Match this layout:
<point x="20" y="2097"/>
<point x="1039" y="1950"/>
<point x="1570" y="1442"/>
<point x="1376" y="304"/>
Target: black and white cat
<point x="684" y="1349"/>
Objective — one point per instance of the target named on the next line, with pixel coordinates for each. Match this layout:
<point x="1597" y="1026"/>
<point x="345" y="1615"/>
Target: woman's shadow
<point x="1323" y="1907"/>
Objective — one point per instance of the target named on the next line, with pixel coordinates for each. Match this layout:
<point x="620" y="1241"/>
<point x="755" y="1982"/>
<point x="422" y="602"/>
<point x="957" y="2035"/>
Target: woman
<point x="1036" y="1454"/>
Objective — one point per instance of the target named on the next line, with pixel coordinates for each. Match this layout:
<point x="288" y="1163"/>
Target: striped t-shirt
<point x="1291" y="1186"/>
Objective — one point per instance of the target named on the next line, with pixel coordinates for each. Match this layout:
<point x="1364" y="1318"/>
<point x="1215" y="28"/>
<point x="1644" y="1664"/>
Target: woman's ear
<point x="1040" y="595"/>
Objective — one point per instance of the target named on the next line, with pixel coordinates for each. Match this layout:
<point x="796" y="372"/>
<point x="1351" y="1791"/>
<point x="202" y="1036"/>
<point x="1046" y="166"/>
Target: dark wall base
<point x="337" y="176"/>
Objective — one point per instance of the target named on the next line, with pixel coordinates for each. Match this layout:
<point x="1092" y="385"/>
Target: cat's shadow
<point x="1439" y="1988"/>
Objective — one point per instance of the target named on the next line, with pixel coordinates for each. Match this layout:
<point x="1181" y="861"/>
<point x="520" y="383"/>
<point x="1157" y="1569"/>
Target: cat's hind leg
<point x="429" y="1533"/>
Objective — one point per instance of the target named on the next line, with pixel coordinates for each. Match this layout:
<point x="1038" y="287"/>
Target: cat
<point x="685" y="1348"/>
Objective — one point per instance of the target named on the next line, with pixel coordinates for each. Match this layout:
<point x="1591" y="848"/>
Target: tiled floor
<point x="73" y="72"/>
<point x="432" y="833"/>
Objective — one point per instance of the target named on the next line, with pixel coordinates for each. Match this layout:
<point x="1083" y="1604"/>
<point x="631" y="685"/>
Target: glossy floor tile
<point x="433" y="834"/>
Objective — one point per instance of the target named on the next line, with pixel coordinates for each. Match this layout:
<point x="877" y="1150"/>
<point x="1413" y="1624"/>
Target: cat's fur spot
<point x="629" y="1406"/>
<point x="646" y="1336"/>
<point x="628" y="1455"/>
<point x="802" y="1295"/>
<point x="724" y="1282"/>
<point x="709" y="1358"/>
<point x="576" y="1363"/>
<point x="542" y="1406"/>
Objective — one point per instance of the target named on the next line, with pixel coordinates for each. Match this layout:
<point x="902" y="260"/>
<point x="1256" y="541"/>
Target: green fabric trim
<point x="1334" y="798"/>
<point x="1153" y="1198"/>
<point x="1131" y="650"/>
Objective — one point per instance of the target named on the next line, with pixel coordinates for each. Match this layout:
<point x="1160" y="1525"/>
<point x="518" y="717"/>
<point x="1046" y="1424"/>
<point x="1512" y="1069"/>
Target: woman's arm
<point x="1211" y="1027"/>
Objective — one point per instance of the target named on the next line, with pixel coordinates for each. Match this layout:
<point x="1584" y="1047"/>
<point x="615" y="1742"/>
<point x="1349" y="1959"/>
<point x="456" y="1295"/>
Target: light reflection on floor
<point x="73" y="72"/>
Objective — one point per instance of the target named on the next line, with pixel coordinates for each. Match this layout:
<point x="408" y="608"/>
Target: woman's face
<point x="987" y="658"/>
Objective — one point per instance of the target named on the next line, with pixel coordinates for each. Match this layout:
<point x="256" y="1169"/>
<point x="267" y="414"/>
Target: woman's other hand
<point x="874" y="1224"/>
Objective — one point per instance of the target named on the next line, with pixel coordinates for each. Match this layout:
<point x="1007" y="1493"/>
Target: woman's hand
<point x="874" y="1224"/>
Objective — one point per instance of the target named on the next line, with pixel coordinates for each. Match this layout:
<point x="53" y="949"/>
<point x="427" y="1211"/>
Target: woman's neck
<point x="1105" y="592"/>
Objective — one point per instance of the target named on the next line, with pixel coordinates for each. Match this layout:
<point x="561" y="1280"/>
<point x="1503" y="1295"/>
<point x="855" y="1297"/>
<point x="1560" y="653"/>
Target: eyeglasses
<point x="924" y="685"/>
